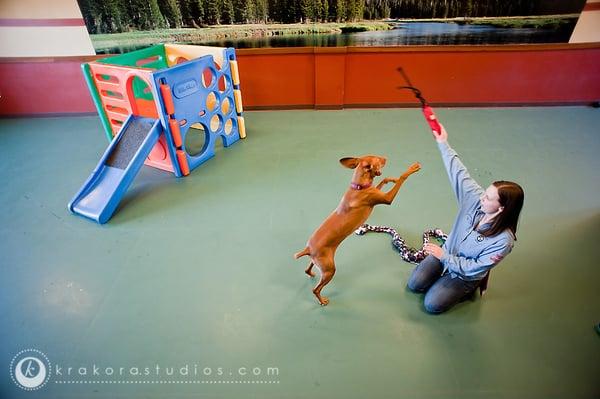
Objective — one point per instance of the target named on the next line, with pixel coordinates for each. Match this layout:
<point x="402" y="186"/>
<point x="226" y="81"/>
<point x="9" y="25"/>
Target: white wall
<point x="588" y="26"/>
<point x="42" y="28"/>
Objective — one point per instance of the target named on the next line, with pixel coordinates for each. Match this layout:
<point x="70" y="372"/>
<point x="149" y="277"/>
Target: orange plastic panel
<point x="114" y="84"/>
<point x="146" y="108"/>
<point x="159" y="157"/>
<point x="183" y="163"/>
<point x="175" y="132"/>
<point x="165" y="91"/>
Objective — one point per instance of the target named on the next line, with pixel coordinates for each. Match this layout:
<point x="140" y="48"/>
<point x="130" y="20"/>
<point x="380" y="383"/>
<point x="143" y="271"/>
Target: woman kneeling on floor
<point x="484" y="232"/>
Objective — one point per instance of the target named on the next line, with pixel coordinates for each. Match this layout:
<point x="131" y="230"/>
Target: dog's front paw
<point x="415" y="167"/>
<point x="324" y="300"/>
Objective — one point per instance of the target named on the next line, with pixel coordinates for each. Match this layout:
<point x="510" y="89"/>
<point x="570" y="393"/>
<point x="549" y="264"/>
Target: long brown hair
<point x="511" y="198"/>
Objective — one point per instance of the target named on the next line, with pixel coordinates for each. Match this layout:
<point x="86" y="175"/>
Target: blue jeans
<point x="442" y="291"/>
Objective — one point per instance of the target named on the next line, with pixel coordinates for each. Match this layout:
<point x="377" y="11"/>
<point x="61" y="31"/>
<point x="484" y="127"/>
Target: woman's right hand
<point x="442" y="137"/>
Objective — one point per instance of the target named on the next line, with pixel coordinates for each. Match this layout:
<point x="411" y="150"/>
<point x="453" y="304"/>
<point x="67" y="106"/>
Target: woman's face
<point x="490" y="201"/>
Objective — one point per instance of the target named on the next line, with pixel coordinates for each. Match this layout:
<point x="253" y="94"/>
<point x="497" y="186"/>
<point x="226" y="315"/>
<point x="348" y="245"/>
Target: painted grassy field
<point x="220" y="32"/>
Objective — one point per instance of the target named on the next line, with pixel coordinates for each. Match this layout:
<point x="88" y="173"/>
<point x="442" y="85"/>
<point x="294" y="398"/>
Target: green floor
<point x="198" y="271"/>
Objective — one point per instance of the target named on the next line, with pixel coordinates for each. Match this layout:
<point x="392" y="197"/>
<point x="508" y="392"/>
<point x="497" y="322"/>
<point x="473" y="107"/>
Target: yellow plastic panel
<point x="241" y="127"/>
<point x="238" y="101"/>
<point x="177" y="51"/>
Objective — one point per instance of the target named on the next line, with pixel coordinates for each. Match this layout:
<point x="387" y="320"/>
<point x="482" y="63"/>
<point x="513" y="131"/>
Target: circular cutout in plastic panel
<point x="215" y="123"/>
<point x="229" y="125"/>
<point x="223" y="83"/>
<point x="225" y="106"/>
<point x="196" y="140"/>
<point x="208" y="75"/>
<point x="211" y="101"/>
<point x="158" y="153"/>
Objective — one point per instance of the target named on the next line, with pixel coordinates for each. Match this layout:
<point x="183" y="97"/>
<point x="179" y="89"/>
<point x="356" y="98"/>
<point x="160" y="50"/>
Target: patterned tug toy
<point x="408" y="254"/>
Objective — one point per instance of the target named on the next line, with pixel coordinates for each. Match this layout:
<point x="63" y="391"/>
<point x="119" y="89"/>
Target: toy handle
<point x="432" y="120"/>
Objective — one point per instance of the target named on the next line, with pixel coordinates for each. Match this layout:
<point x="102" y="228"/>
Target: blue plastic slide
<point x="103" y="190"/>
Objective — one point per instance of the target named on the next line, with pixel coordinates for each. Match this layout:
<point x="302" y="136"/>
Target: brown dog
<point x="354" y="209"/>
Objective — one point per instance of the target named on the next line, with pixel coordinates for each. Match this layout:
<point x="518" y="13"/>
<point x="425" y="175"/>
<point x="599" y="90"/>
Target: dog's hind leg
<point x="309" y="269"/>
<point x="327" y="267"/>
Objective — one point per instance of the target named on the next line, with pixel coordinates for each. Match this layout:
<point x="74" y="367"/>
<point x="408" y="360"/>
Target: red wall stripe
<point x="592" y="7"/>
<point x="348" y="78"/>
<point x="24" y="22"/>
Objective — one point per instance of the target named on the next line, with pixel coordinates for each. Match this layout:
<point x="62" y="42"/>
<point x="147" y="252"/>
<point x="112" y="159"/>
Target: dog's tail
<point x="302" y="253"/>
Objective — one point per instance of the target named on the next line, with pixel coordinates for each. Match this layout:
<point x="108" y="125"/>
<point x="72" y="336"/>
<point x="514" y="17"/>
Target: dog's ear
<point x="350" y="163"/>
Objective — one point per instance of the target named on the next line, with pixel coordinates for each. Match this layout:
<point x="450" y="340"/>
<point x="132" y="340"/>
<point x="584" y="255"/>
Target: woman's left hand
<point x="434" y="250"/>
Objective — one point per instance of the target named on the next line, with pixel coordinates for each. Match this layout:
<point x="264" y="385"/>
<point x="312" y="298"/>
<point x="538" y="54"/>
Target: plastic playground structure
<point x="149" y="101"/>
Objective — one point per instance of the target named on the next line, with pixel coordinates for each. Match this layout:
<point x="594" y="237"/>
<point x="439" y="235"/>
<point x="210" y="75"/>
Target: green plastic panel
<point x="97" y="102"/>
<point x="154" y="58"/>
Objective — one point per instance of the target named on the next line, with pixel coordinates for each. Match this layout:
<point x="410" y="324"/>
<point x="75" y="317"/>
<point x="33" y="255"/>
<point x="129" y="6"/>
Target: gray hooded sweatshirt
<point x="468" y="254"/>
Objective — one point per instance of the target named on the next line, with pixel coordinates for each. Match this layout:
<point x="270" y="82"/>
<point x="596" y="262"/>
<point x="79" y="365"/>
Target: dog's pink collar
<point x="357" y="186"/>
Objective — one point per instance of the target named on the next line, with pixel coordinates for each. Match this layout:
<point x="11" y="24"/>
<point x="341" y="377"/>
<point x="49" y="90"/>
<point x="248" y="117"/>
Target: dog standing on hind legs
<point x="354" y="209"/>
